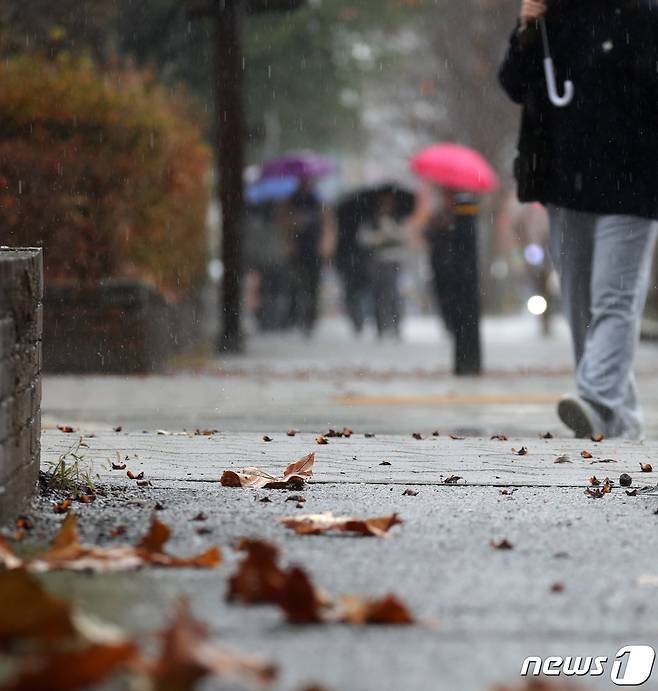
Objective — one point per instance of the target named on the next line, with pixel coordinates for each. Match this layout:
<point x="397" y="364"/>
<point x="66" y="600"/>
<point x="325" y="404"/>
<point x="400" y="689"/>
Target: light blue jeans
<point x="604" y="264"/>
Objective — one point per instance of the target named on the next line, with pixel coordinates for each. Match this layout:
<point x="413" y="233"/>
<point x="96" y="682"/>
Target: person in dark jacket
<point x="594" y="164"/>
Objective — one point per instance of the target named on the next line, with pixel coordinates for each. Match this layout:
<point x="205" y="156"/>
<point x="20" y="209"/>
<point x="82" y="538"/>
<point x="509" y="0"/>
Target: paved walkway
<point x="334" y="380"/>
<point x="581" y="579"/>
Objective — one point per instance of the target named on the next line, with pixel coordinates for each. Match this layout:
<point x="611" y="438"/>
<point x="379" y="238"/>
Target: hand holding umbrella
<point x="534" y="10"/>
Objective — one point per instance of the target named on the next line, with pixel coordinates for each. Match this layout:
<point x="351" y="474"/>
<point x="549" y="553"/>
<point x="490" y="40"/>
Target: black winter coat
<point x="600" y="153"/>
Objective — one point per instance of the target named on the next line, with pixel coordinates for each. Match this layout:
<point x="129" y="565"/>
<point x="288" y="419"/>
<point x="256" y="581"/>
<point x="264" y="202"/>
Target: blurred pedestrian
<point x="352" y="260"/>
<point x="440" y="237"/>
<point x="266" y="253"/>
<point x="593" y="161"/>
<point x="311" y="240"/>
<point x="384" y="239"/>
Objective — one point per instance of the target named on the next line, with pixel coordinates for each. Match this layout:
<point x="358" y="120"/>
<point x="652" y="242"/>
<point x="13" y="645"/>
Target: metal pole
<point x="468" y="356"/>
<point x="230" y="163"/>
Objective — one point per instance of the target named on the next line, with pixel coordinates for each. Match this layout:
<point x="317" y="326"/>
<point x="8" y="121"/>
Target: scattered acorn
<point x="625" y="480"/>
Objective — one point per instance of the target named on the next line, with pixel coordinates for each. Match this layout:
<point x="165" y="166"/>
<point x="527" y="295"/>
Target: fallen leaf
<point x="498" y="437"/>
<point x="321" y="440"/>
<point x="144" y="483"/>
<point x="266" y="438"/>
<point x="501" y="544"/>
<point x="119" y="530"/>
<point x="259" y="579"/>
<point x="252" y="478"/>
<point x="117" y="429"/>
<point x="206" y="432"/>
<point x="586" y="454"/>
<point x="456" y="437"/>
<point x="597" y="438"/>
<point x="67" y="553"/>
<point x="417" y="435"/>
<point x="604" y="460"/>
<point x="410" y="493"/>
<point x="369" y="435"/>
<point x="24" y="523"/>
<point x="546" y="435"/>
<point x="523" y="451"/>
<point x="118" y="466"/>
<point x="66" y="429"/>
<point x="595" y="493"/>
<point x="62" y="506"/>
<point x="291" y="432"/>
<point x="187" y="656"/>
<point x="631" y="492"/>
<point x="315" y="524"/>
<point x="347" y="432"/>
<point x="132" y="475"/>
<point x="68" y="670"/>
<point x="557" y="587"/>
<point x="452" y="480"/>
<point x="539" y="685"/>
<point x="562" y="459"/>
<point x="200" y="517"/>
<point x="386" y="610"/>
<point x="646" y="467"/>
<point x="296" y="497"/>
<point x="594" y="481"/>
<point x="436" y="433"/>
<point x="29" y="611"/>
<point x="385" y="463"/>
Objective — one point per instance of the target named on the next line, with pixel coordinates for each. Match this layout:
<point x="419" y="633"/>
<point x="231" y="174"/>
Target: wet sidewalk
<point x="333" y="380"/>
<point x="580" y="577"/>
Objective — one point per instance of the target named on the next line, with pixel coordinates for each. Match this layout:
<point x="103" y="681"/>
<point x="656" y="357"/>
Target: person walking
<point x="384" y="239"/>
<point x="592" y="159"/>
<point x="312" y="240"/>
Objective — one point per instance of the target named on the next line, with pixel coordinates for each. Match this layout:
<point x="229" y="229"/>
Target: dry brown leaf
<point x="539" y="685"/>
<point x="498" y="437"/>
<point x="523" y="451"/>
<point x="452" y="480"/>
<point x="597" y="438"/>
<point x="594" y="481"/>
<point x="546" y="435"/>
<point x="418" y="436"/>
<point x="28" y="611"/>
<point x="562" y="459"/>
<point x="456" y="437"/>
<point x="188" y="656"/>
<point x="252" y="478"/>
<point x="586" y="454"/>
<point x="315" y="524"/>
<point x="321" y="440"/>
<point x="646" y="467"/>
<point x="501" y="544"/>
<point x="66" y="553"/>
<point x="67" y="429"/>
<point x="386" y="610"/>
<point x="74" y="669"/>
<point x="410" y="493"/>
<point x="260" y="579"/>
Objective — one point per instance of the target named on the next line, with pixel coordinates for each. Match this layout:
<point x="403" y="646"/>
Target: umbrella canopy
<point x="300" y="164"/>
<point x="271" y="189"/>
<point x="456" y="167"/>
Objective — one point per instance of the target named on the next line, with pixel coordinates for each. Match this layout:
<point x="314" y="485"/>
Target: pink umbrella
<point x="456" y="167"/>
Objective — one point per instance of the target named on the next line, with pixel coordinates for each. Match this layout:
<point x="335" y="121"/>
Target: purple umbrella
<point x="299" y="164"/>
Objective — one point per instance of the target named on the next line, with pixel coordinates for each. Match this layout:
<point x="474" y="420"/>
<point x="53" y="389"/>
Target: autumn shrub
<point x="106" y="170"/>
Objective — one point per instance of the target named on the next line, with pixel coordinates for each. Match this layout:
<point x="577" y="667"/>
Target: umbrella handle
<point x="555" y="98"/>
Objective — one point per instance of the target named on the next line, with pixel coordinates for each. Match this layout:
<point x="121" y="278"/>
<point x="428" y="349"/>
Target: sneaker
<point x="580" y="416"/>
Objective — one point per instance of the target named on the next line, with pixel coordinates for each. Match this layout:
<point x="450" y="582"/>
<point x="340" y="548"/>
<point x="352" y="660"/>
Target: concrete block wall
<point x="21" y="325"/>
